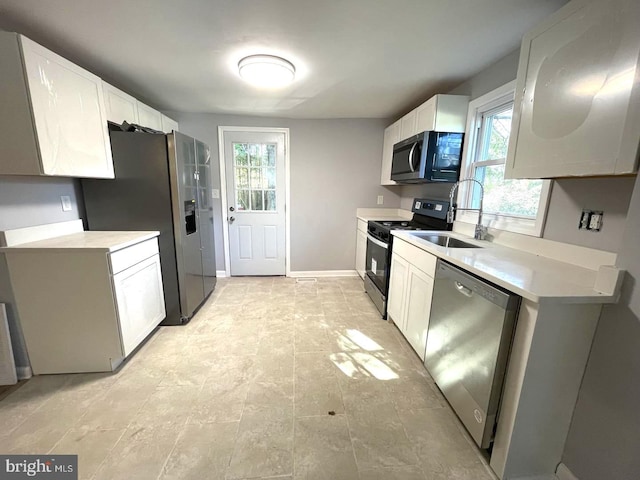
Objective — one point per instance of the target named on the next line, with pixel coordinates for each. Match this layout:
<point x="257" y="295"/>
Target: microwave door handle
<point x="413" y="147"/>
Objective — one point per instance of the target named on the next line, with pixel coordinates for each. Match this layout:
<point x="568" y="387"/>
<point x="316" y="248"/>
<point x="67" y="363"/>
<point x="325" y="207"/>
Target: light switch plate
<point x="66" y="203"/>
<point x="215" y="193"/>
<point x="380" y="199"/>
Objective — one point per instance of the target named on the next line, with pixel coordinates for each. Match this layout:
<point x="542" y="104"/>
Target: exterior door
<point x="255" y="175"/>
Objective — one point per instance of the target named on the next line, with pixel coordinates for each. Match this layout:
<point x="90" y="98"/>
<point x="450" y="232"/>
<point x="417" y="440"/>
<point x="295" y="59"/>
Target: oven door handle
<point x="377" y="242"/>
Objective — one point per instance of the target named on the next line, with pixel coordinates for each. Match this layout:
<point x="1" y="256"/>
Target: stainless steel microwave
<point x="428" y="157"/>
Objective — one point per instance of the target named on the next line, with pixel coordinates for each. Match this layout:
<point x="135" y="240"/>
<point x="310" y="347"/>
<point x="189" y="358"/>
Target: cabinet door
<point x="69" y="115"/>
<point x="148" y="117"/>
<point x="169" y="125"/>
<point x="419" y="293"/>
<point x="426" y="115"/>
<point x="391" y="137"/>
<point x="408" y="125"/>
<point x="361" y="252"/>
<point x="140" y="301"/>
<point x="397" y="290"/>
<point x="120" y="106"/>
<point x="576" y="108"/>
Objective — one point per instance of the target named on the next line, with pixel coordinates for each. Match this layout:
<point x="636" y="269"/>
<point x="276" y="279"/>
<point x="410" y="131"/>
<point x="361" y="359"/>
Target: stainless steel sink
<point x="444" y="240"/>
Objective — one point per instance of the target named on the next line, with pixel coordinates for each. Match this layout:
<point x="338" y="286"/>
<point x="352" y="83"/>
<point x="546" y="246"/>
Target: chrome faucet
<point x="481" y="230"/>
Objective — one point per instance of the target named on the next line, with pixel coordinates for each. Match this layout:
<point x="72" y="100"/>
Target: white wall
<point x="335" y="168"/>
<point x="24" y="202"/>
<point x="604" y="439"/>
<point x="569" y="196"/>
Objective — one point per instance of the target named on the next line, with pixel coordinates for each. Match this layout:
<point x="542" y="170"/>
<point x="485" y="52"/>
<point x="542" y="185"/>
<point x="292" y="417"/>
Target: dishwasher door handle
<point x="462" y="289"/>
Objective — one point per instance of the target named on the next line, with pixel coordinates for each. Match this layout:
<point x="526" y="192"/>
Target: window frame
<point x="512" y="223"/>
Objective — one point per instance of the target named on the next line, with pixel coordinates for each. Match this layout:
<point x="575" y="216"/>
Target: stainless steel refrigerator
<point x="162" y="182"/>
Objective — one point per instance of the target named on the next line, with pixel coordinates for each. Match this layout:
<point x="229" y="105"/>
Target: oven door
<point x="378" y="263"/>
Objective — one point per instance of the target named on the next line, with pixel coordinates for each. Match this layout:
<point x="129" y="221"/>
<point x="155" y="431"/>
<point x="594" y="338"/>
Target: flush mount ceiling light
<point x="266" y="71"/>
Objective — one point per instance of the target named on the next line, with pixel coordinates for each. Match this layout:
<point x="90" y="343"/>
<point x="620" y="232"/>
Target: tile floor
<point x="272" y="378"/>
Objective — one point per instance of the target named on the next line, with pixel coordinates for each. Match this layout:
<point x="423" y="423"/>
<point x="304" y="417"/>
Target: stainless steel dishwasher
<point x="468" y="343"/>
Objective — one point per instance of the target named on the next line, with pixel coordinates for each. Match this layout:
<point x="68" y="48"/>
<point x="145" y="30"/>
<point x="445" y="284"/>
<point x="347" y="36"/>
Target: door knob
<point x="232" y="209"/>
<point x="232" y="219"/>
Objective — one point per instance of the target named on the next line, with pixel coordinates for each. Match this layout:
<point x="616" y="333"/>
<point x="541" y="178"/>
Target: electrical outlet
<point x="380" y="199"/>
<point x="215" y="193"/>
<point x="66" y="203"/>
<point x="591" y="220"/>
<point x="595" y="221"/>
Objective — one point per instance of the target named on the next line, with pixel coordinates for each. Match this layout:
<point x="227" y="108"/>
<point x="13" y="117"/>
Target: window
<point x="515" y="205"/>
<point x="255" y="176"/>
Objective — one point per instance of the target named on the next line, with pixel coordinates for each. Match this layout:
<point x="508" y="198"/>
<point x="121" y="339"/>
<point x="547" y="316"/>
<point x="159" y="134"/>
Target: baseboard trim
<point x="24" y="373"/>
<point x="563" y="473"/>
<point x="221" y="273"/>
<point x="324" y="273"/>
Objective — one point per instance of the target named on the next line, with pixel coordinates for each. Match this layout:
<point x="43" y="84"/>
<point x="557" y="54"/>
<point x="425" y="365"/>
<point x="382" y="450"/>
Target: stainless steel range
<point x="428" y="214"/>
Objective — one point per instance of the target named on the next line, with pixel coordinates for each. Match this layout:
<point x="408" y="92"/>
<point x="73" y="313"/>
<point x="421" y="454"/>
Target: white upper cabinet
<point x="577" y="106"/>
<point x="443" y="113"/>
<point x="148" y="117"/>
<point x="408" y="125"/>
<point x="120" y="106"/>
<point x="53" y="117"/>
<point x="168" y="124"/>
<point x="391" y="137"/>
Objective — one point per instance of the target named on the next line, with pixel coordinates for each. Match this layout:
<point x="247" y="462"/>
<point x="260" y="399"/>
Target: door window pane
<point x="255" y="154"/>
<point x="271" y="155"/>
<point x="270" y="200"/>
<point x="240" y="156"/>
<point x="255" y="176"/>
<point x="242" y="200"/>
<point x="270" y="177"/>
<point x="256" y="200"/>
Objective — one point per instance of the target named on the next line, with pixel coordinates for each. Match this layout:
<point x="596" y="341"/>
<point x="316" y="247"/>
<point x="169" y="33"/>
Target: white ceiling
<point x="355" y="58"/>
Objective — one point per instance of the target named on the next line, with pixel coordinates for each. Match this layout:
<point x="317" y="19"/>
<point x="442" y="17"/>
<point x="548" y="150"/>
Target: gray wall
<point x="335" y="168"/>
<point x="569" y="196"/>
<point x="604" y="439"/>
<point x="24" y="202"/>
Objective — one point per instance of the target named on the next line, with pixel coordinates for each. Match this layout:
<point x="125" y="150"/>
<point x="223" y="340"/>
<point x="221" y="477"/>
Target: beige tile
<point x="91" y="446"/>
<point x="366" y="393"/>
<point x="415" y="392"/>
<point x="139" y="454"/>
<point x="117" y="408"/>
<point x="379" y="439"/>
<point x="317" y="396"/>
<point x="202" y="452"/>
<point x="323" y="449"/>
<point x="219" y="402"/>
<point x="167" y="407"/>
<point x="264" y="446"/>
<point x="396" y="473"/>
<point x="266" y="395"/>
<point x="438" y="440"/>
<point x="313" y="365"/>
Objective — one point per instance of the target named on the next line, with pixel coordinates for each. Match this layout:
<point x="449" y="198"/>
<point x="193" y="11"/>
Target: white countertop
<point x="93" y="240"/>
<point x="394" y="214"/>
<point x="534" y="277"/>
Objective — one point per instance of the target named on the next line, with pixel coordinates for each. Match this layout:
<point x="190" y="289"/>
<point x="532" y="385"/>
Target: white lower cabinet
<point x="83" y="308"/>
<point x="139" y="300"/>
<point x="361" y="248"/>
<point x="398" y="277"/>
<point x="418" y="309"/>
<point x="410" y="292"/>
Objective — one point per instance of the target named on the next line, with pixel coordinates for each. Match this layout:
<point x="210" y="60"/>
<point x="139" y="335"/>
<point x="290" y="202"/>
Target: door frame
<point x="223" y="192"/>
